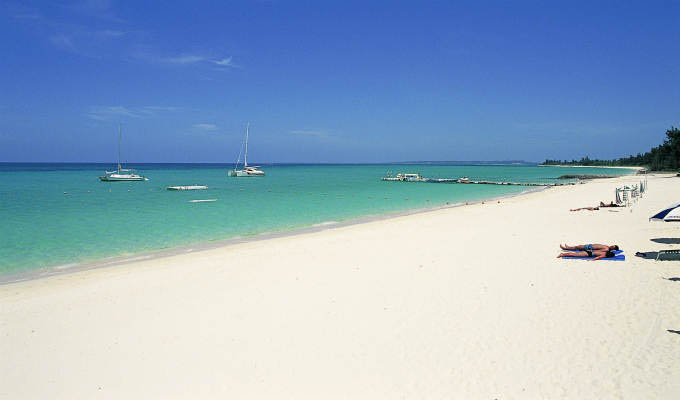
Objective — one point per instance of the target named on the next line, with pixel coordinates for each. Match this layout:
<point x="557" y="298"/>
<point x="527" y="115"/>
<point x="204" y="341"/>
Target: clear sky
<point x="336" y="81"/>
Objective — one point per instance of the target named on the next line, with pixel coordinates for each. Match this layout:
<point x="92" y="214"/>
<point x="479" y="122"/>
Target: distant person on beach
<point x="594" y="246"/>
<point x="598" y="254"/>
<point x="596" y="250"/>
<point x="611" y="204"/>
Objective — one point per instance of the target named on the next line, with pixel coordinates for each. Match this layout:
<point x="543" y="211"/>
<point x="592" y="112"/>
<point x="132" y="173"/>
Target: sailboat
<point x="247" y="170"/>
<point x="121" y="174"/>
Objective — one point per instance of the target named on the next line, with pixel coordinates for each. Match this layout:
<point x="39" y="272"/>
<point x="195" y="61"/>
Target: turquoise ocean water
<point x="60" y="214"/>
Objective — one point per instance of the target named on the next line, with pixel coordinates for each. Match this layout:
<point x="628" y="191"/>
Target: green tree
<point x="663" y="157"/>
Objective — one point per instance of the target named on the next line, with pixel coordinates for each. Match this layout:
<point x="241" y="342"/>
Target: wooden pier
<point x="470" y="182"/>
<point x="465" y="181"/>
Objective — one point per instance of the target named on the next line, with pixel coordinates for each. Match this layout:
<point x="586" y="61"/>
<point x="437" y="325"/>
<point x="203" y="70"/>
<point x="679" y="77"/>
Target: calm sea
<point x="61" y="214"/>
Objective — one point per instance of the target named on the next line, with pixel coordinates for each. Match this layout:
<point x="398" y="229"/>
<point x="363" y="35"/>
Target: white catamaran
<point x="247" y="170"/>
<point x="121" y="174"/>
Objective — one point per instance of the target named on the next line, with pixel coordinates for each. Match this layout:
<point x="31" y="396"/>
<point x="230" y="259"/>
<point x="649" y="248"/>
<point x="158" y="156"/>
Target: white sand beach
<point x="467" y="302"/>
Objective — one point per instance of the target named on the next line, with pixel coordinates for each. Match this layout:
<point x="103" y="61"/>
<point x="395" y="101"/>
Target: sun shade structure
<point x="670" y="214"/>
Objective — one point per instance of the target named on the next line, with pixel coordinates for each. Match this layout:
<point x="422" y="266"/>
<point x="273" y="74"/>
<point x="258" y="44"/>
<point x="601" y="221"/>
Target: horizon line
<point x="284" y="162"/>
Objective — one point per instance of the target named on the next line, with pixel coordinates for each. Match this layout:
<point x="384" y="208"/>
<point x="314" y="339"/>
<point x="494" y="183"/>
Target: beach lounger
<point x="618" y="196"/>
<point x="619" y="256"/>
<point x="668" y="255"/>
<point x="626" y="196"/>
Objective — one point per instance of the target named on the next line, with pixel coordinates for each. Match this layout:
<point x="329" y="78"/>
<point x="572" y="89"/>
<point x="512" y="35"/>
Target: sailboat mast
<point x="119" y="135"/>
<point x="245" y="157"/>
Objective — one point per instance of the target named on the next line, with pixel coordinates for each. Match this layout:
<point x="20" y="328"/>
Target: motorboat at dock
<point x="405" y="178"/>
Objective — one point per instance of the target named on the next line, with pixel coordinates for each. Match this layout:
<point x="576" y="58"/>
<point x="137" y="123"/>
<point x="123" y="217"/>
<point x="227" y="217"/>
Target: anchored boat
<point x="247" y="170"/>
<point x="121" y="174"/>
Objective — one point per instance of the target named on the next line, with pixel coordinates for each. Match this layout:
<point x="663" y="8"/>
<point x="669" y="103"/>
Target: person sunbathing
<point x="602" y="204"/>
<point x="593" y="246"/>
<point x="585" y="208"/>
<point x="597" y="254"/>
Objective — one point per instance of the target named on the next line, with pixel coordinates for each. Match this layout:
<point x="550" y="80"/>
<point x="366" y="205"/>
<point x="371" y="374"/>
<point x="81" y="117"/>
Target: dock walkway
<point x="471" y="182"/>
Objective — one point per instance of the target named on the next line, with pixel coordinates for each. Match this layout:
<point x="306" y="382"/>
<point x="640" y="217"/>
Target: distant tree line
<point x="663" y="157"/>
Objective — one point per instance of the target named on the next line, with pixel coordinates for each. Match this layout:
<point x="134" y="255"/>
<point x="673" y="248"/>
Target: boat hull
<point x="240" y="173"/>
<point x="109" y="178"/>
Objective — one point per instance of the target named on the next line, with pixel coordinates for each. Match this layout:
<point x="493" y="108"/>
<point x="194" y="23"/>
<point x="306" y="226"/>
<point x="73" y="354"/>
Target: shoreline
<point x="197" y="247"/>
<point x="464" y="302"/>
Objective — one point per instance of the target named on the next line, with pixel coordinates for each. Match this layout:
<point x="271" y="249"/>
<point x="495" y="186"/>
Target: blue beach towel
<point x="617" y="257"/>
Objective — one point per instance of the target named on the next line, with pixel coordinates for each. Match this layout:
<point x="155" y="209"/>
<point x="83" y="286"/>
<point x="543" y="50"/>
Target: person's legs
<point x="575" y="254"/>
<point x="567" y="247"/>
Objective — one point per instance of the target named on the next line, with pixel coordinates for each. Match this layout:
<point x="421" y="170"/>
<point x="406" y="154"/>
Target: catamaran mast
<point x="245" y="157"/>
<point x="119" y="134"/>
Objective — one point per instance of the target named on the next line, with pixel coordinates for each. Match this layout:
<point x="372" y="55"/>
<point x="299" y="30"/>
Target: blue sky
<point x="345" y="81"/>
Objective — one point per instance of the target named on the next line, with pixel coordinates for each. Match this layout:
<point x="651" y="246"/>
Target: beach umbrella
<point x="669" y="214"/>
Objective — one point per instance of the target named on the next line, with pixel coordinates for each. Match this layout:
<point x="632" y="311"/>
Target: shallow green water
<point x="56" y="214"/>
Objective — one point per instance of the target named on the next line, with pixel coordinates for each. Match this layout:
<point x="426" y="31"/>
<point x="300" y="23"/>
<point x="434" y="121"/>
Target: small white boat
<point x="202" y="201"/>
<point x="121" y="174"/>
<point x="464" y="179"/>
<point x="247" y="170"/>
<point x="195" y="187"/>
<point x="405" y="178"/>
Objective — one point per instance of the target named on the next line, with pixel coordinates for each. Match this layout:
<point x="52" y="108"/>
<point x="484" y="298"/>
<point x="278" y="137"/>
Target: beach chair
<point x="618" y="196"/>
<point x="668" y="255"/>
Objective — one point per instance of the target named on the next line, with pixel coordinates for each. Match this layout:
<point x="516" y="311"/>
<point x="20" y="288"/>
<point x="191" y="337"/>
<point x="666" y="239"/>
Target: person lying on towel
<point x="596" y="250"/>
<point x="597" y="254"/>
<point x="611" y="204"/>
<point x="594" y="246"/>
